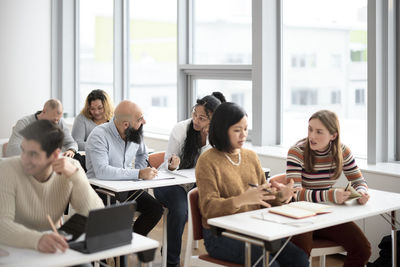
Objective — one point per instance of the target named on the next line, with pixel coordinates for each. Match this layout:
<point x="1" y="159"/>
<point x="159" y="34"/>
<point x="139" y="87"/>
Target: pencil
<point x="52" y="224"/>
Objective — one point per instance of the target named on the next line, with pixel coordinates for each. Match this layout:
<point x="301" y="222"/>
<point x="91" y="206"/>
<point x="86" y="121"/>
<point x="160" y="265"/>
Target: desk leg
<point x="394" y="239"/>
<point x="247" y="254"/>
<point x="164" y="241"/>
<point x="265" y="262"/>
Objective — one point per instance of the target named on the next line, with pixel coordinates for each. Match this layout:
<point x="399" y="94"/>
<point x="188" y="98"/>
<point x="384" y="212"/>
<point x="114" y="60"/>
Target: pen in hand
<point x="148" y="163"/>
<point x="265" y="189"/>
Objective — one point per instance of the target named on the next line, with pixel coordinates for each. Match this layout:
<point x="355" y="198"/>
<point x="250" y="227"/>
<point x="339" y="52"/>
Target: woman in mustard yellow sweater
<point x="223" y="174"/>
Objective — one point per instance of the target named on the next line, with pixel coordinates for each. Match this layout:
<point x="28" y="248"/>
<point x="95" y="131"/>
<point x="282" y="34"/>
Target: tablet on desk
<point x="101" y="228"/>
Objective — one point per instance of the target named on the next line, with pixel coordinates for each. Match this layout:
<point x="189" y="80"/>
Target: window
<point x="326" y="31"/>
<point x="95" y="47"/>
<point x="234" y="91"/>
<point x="304" y="61"/>
<point x="359" y="97"/>
<point x="222" y="32"/>
<point x="153" y="66"/>
<point x="304" y="97"/>
<point x="335" y="97"/>
<point x="317" y="58"/>
<point x="159" y="101"/>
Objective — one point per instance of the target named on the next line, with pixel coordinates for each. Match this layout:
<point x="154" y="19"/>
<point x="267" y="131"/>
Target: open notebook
<point x="300" y="209"/>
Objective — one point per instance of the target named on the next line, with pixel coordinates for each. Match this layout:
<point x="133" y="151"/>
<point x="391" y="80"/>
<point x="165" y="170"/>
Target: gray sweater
<point x="81" y="130"/>
<point x="13" y="147"/>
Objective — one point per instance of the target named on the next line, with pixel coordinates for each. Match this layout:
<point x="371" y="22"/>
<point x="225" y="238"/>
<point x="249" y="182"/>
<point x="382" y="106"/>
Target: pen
<point x="148" y="163"/>
<point x="265" y="189"/>
<point x="52" y="224"/>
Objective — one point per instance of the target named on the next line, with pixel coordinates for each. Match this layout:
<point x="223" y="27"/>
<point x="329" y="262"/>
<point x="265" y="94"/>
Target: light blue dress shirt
<point x="109" y="157"/>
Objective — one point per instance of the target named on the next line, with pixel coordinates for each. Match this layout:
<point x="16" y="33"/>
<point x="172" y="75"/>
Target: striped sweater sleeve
<point x="294" y="170"/>
<point x="352" y="172"/>
<point x="294" y="165"/>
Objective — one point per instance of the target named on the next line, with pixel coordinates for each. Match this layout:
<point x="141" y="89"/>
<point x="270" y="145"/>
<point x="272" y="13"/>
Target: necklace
<point x="231" y="161"/>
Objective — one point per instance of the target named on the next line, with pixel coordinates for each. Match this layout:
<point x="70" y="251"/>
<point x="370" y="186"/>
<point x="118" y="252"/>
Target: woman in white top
<point x="98" y="109"/>
<point x="187" y="141"/>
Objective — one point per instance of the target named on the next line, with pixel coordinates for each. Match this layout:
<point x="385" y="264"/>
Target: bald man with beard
<point x="115" y="151"/>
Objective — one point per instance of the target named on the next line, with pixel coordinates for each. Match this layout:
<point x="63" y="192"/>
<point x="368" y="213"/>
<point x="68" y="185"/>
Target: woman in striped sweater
<point x="315" y="163"/>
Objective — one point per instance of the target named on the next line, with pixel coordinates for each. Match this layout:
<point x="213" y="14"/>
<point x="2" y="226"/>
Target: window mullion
<point x="266" y="72"/>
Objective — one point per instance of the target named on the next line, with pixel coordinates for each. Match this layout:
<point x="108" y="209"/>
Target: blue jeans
<point x="224" y="248"/>
<point x="175" y="199"/>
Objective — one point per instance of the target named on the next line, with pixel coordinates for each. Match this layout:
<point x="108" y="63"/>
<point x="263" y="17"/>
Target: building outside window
<point x="95" y="48"/>
<point x="324" y="47"/>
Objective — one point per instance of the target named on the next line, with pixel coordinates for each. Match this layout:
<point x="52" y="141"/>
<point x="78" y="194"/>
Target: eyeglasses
<point x="201" y="118"/>
<point x="141" y="119"/>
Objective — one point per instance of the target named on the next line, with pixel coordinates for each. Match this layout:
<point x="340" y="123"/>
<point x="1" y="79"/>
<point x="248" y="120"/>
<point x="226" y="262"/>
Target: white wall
<point x="25" y="30"/>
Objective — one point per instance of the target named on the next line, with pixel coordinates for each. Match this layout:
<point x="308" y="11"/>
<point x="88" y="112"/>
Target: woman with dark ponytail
<point x="188" y="139"/>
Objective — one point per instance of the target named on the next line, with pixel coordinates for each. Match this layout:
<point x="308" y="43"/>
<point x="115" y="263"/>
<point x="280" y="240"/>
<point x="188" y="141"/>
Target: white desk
<point x="28" y="257"/>
<point x="123" y="186"/>
<point x="245" y="225"/>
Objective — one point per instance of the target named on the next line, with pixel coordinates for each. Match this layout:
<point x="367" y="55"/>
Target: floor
<point x="331" y="261"/>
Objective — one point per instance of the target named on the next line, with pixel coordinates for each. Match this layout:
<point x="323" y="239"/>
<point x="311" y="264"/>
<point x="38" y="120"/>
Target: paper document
<point x="163" y="175"/>
<point x="188" y="173"/>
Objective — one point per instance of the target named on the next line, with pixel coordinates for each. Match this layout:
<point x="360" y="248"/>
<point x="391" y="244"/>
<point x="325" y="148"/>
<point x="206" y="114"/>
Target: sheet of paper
<point x="188" y="173"/>
<point x="163" y="175"/>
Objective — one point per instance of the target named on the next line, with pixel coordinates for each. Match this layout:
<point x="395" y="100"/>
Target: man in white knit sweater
<point x="39" y="183"/>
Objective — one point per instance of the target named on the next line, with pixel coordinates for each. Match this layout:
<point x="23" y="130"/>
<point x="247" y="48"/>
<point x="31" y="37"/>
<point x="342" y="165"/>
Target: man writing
<point x="115" y="150"/>
<point x="40" y="183"/>
<point x="52" y="111"/>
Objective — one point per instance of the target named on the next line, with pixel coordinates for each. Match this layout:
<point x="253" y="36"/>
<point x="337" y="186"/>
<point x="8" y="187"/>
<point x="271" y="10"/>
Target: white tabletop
<point x="251" y="223"/>
<point x="28" y="257"/>
<point x="122" y="186"/>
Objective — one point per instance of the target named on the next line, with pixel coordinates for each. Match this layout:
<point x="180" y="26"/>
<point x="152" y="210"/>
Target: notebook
<point x="104" y="228"/>
<point x="300" y="209"/>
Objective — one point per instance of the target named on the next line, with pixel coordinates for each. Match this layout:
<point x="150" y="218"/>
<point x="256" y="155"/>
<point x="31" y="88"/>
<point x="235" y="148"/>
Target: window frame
<point x="383" y="91"/>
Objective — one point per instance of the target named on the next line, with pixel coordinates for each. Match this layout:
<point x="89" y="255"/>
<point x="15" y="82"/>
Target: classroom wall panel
<point x="25" y="31"/>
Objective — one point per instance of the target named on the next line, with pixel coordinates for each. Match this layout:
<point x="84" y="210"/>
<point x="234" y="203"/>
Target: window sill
<point x="383" y="168"/>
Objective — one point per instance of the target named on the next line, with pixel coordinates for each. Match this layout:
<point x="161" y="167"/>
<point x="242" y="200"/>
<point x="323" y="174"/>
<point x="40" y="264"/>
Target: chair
<point x="195" y="233"/>
<point x="320" y="247"/>
<point x="156" y="159"/>
<point x="4" y="149"/>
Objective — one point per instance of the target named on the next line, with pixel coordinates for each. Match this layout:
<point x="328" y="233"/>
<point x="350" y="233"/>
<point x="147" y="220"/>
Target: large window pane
<point x="234" y="91"/>
<point x="222" y="32"/>
<point x="325" y="67"/>
<point x="95" y="47"/>
<point x="153" y="66"/>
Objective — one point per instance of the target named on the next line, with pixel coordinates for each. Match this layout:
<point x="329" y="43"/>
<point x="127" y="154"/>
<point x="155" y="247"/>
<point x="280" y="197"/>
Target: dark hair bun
<point x="219" y="96"/>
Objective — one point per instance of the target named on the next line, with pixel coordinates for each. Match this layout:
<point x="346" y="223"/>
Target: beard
<point x="133" y="135"/>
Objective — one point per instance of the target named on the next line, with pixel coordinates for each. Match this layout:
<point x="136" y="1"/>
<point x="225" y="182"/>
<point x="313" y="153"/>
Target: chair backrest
<point x="4" y="149"/>
<point x="195" y="214"/>
<point x="156" y="159"/>
<point x="280" y="178"/>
